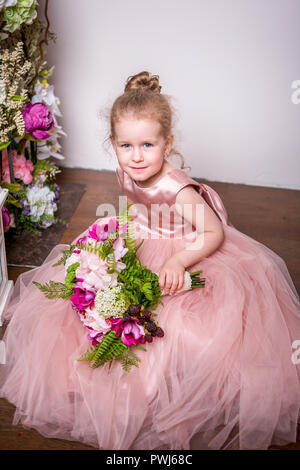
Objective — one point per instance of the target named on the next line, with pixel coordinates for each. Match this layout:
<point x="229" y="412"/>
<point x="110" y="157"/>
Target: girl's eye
<point x="125" y="146"/>
<point x="148" y="145"/>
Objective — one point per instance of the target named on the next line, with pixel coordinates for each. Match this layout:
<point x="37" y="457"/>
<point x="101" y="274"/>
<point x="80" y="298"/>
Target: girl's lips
<point x="140" y="168"/>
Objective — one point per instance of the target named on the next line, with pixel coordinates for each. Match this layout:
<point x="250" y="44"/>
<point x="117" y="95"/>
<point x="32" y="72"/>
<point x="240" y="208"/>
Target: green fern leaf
<point x="54" y="290"/>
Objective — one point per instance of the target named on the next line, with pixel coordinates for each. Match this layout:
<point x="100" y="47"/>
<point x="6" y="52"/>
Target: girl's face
<point x="141" y="149"/>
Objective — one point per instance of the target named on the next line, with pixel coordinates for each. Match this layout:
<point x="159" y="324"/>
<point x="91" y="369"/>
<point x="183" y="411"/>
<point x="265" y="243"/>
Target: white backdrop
<point x="228" y="64"/>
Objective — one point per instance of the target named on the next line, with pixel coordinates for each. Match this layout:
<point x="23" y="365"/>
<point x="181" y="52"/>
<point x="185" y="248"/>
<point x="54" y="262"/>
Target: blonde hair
<point x="142" y="97"/>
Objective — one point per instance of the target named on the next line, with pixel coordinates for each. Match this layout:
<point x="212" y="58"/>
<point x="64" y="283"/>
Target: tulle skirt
<point x="226" y="373"/>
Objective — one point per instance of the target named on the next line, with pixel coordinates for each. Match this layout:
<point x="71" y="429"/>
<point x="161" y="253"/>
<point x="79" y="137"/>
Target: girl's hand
<point x="171" y="276"/>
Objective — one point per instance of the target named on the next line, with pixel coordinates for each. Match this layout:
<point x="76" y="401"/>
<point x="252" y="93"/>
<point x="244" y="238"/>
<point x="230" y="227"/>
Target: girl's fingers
<point x="169" y="282"/>
<point x="180" y="282"/>
<point x="162" y="279"/>
<point x="174" y="284"/>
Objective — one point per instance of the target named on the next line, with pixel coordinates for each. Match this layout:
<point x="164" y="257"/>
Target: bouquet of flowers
<point x="29" y="130"/>
<point x="112" y="293"/>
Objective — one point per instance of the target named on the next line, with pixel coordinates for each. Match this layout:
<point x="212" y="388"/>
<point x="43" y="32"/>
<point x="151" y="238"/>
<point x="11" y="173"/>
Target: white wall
<point x="229" y="65"/>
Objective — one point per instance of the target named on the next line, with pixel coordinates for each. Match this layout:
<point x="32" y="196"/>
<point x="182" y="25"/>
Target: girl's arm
<point x="209" y="237"/>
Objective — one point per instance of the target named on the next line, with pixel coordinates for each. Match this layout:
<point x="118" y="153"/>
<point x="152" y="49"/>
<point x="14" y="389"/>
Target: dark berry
<point x="159" y="332"/>
<point x="147" y="314"/>
<point x="148" y="338"/>
<point x="134" y="309"/>
<point x="141" y="321"/>
<point x="126" y="316"/>
<point x="151" y="326"/>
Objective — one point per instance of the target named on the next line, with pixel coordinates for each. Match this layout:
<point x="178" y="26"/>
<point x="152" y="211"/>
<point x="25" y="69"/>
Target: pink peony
<point x="5" y="217"/>
<point x="93" y="270"/>
<point x="38" y="119"/>
<point x="82" y="297"/>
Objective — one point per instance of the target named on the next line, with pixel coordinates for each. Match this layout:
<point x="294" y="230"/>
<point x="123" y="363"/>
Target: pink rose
<point x="38" y="119"/>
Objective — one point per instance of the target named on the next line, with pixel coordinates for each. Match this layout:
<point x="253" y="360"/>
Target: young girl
<point x="225" y="373"/>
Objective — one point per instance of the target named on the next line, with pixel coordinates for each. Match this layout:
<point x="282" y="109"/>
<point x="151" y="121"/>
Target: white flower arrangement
<point x="108" y="302"/>
<point x="41" y="201"/>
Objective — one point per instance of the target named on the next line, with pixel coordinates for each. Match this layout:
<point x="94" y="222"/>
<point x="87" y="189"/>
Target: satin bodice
<point x="149" y="201"/>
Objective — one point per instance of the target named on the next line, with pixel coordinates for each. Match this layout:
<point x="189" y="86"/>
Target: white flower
<point x="108" y="303"/>
<point x="7" y="3"/>
<point x="41" y="201"/>
<point x="45" y="150"/>
<point x="44" y="93"/>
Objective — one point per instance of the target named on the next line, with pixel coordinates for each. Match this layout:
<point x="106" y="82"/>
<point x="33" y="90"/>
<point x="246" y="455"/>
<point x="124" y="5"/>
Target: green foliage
<point x="111" y="348"/>
<point x="54" y="290"/>
<point x="27" y="223"/>
<point x="124" y="218"/>
<point x="66" y="254"/>
<point x="12" y="187"/>
<point x="70" y="279"/>
<point x="45" y="168"/>
<point x="140" y="285"/>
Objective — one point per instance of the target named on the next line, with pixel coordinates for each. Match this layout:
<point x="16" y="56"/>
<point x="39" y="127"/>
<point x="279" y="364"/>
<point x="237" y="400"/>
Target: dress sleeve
<point x="210" y="196"/>
<point x="215" y="203"/>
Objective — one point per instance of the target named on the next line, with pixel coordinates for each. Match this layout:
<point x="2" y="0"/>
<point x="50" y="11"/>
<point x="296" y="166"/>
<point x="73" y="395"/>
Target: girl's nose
<point x="137" y="155"/>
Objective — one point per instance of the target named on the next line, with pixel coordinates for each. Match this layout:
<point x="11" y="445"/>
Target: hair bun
<point x="143" y="80"/>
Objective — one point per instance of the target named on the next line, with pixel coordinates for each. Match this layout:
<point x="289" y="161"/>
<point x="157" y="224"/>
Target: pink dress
<point x="223" y="370"/>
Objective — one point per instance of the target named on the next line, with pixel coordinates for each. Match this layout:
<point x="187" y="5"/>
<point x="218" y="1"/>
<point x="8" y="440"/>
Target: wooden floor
<point x="269" y="215"/>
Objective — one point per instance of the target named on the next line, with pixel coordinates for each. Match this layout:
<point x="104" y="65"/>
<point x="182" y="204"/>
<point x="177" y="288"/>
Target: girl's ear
<point x="169" y="144"/>
<point x="112" y="142"/>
